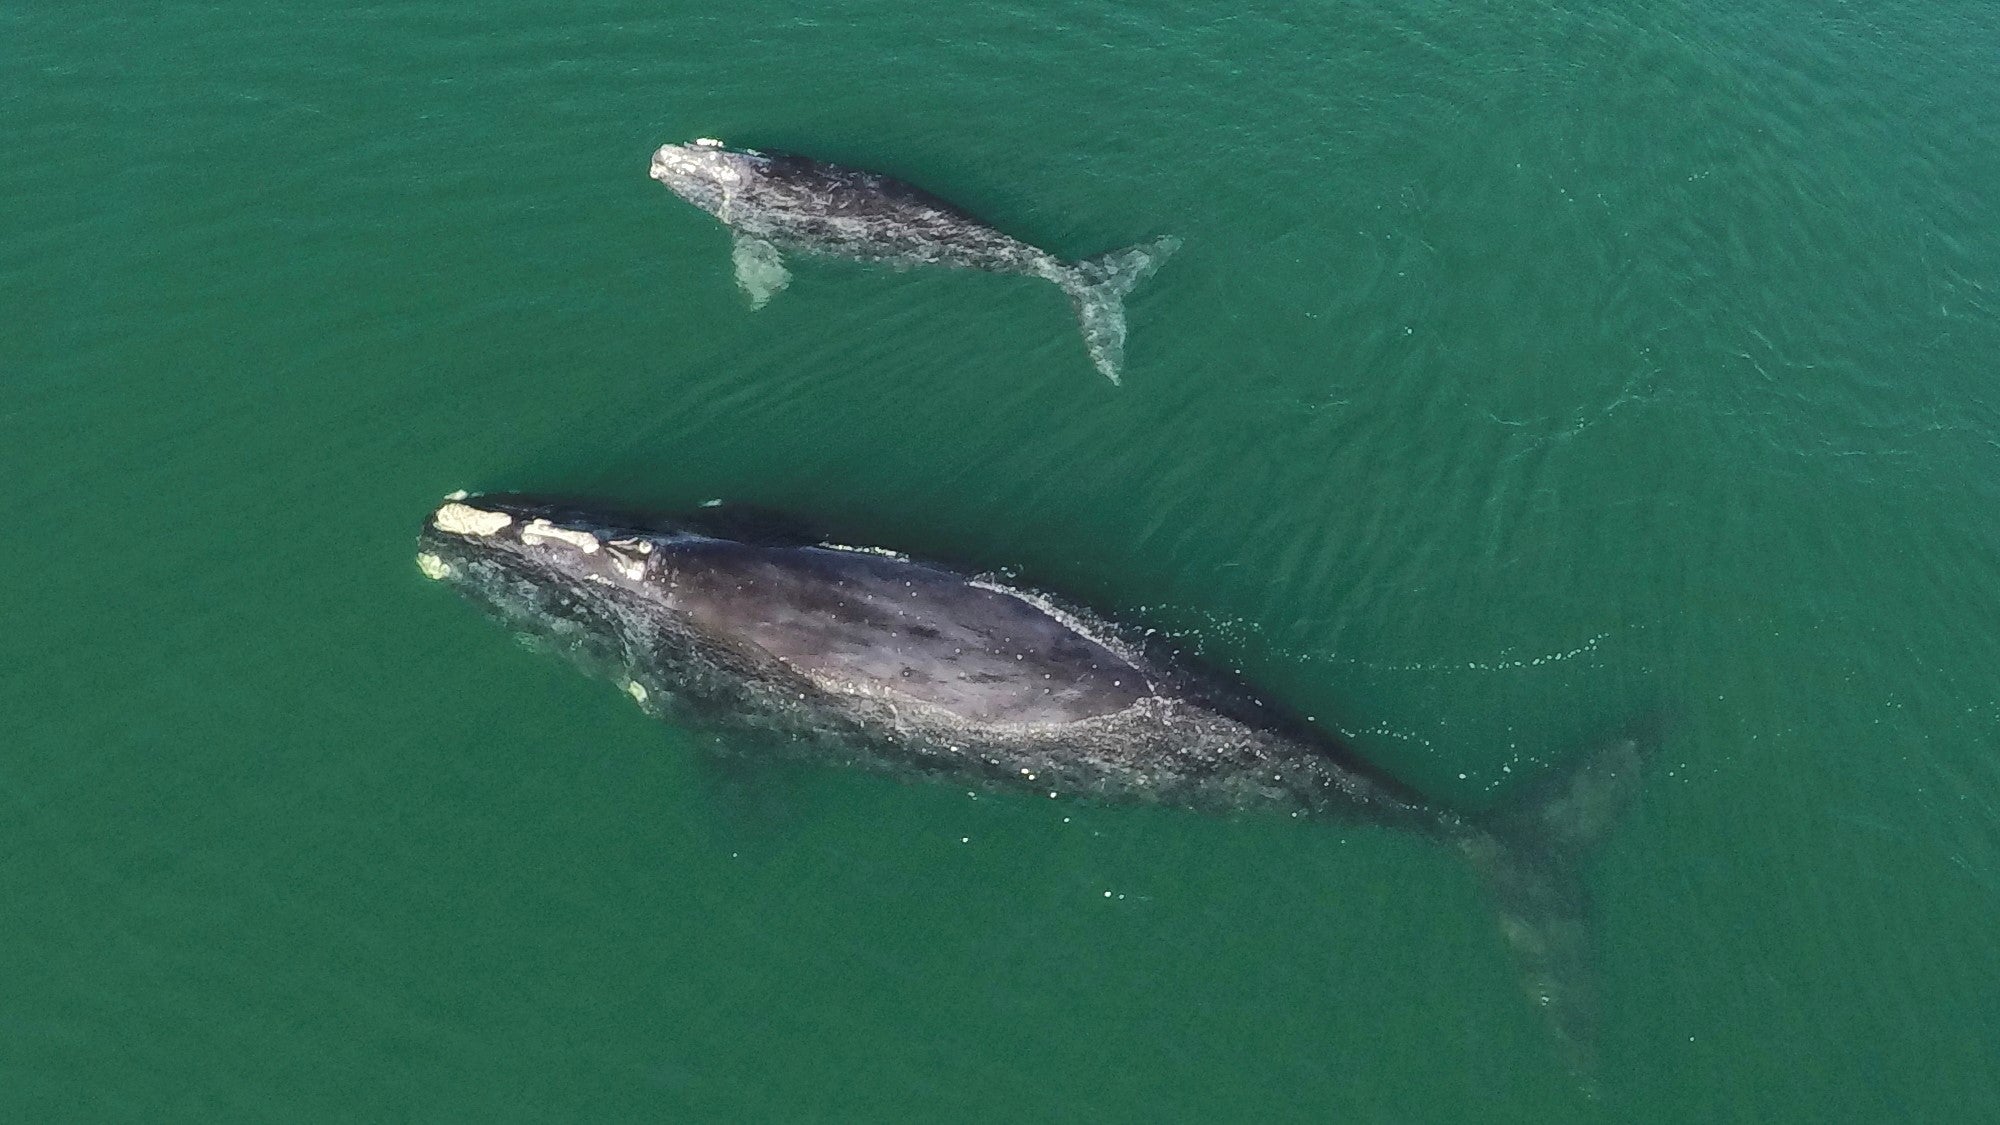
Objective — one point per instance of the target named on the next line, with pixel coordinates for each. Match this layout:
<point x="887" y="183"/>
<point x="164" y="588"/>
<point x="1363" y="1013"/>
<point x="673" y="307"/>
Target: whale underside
<point x="865" y="657"/>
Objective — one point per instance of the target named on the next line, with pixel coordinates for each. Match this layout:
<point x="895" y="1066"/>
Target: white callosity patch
<point x="637" y="691"/>
<point x="539" y="531"/>
<point x="685" y="165"/>
<point x="628" y="567"/>
<point x="464" y="519"/>
<point x="433" y="567"/>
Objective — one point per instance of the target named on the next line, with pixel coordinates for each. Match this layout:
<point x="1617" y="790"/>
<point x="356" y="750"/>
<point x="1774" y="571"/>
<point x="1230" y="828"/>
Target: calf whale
<point x="866" y="657"/>
<point x="776" y="203"/>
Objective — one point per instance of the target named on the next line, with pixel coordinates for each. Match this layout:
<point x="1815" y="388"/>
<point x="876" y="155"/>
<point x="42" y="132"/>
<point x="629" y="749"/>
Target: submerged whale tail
<point x="1097" y="288"/>
<point x="1530" y="851"/>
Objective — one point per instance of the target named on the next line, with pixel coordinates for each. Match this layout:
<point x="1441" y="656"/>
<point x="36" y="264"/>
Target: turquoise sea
<point x="1526" y="366"/>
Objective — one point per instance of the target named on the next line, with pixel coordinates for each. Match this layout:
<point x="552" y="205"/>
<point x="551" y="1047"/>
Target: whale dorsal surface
<point x="870" y="624"/>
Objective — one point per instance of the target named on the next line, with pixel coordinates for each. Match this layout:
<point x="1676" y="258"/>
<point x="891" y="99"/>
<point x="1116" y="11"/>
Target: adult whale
<point x="867" y="657"/>
<point x="774" y="203"/>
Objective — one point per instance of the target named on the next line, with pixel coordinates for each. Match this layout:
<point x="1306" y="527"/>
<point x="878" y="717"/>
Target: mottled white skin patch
<point x="637" y="691"/>
<point x="464" y="519"/>
<point x="699" y="163"/>
<point x="433" y="567"/>
<point x="540" y="531"/>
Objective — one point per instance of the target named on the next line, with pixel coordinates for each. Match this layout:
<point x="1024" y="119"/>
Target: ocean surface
<point x="1526" y="367"/>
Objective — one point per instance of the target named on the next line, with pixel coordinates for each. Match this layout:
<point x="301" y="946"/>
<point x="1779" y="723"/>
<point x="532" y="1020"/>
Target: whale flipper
<point x="1531" y="852"/>
<point x="1097" y="288"/>
<point x="760" y="269"/>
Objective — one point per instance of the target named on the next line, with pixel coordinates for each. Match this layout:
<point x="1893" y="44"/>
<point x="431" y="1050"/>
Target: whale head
<point x="703" y="172"/>
<point x="584" y="584"/>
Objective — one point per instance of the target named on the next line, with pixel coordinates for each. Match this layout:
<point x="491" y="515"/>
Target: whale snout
<point x="666" y="160"/>
<point x="696" y="167"/>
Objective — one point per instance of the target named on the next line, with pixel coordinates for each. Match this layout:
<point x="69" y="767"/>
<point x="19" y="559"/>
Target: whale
<point x="776" y="203"/>
<point x="805" y="648"/>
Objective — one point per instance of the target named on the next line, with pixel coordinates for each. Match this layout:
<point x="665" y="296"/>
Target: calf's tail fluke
<point x="1097" y="288"/>
<point x="1531" y="852"/>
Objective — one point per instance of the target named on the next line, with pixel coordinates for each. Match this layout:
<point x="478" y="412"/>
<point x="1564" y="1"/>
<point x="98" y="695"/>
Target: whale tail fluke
<point x="1531" y="852"/>
<point x="1097" y="288"/>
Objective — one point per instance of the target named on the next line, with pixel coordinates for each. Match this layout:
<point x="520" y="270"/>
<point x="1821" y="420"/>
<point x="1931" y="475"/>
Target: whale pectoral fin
<point x="760" y="269"/>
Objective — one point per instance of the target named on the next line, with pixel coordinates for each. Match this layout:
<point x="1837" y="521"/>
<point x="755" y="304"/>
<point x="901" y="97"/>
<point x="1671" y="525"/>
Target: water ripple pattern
<point x="1525" y="368"/>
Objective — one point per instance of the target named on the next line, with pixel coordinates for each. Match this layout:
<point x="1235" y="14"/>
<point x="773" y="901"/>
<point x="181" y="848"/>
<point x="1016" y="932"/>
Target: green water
<point x="1525" y="366"/>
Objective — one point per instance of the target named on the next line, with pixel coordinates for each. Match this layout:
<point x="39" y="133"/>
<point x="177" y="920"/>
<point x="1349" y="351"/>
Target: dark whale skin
<point x="895" y="664"/>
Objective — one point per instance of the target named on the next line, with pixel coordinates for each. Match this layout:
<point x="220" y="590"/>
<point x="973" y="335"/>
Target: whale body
<point x="776" y="203"/>
<point x="866" y="657"/>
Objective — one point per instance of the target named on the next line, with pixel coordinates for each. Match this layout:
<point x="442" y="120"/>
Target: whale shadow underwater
<point x="775" y="203"/>
<point x="865" y="657"/>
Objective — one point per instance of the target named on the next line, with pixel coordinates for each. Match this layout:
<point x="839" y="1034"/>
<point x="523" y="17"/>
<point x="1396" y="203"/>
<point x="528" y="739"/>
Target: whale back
<point x="868" y="624"/>
<point x="848" y="191"/>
